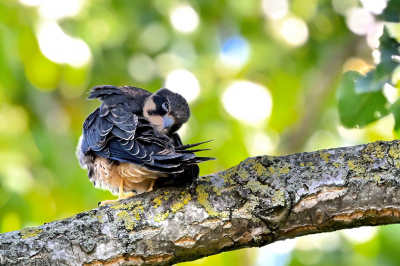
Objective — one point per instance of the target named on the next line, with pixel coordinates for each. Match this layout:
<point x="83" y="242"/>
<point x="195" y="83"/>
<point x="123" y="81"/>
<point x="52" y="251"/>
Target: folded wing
<point x="117" y="130"/>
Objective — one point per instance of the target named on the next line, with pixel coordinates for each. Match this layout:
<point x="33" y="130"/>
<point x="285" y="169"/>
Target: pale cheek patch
<point x="157" y="123"/>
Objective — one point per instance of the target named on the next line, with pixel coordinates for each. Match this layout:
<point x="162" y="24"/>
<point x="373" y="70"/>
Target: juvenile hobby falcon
<point x="130" y="144"/>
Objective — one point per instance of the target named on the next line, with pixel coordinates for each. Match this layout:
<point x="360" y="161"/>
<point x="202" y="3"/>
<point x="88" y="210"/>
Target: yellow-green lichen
<point x="157" y="201"/>
<point x="278" y="199"/>
<point x="243" y="173"/>
<point x="137" y="211"/>
<point x="361" y="172"/>
<point x="159" y="217"/>
<point x="128" y="220"/>
<point x="203" y="200"/>
<point x="368" y="158"/>
<point x="30" y="232"/>
<point x="351" y="165"/>
<point x="325" y="155"/>
<point x="256" y="186"/>
<point x="183" y="200"/>
<point x="271" y="170"/>
<point x="98" y="217"/>
<point x="311" y="165"/>
<point x="301" y="164"/>
<point x="284" y="170"/>
<point x="336" y="164"/>
<point x="375" y="148"/>
<point x="394" y="152"/>
<point x="130" y="205"/>
<point x="377" y="178"/>
<point x="260" y="169"/>
<point x="228" y="174"/>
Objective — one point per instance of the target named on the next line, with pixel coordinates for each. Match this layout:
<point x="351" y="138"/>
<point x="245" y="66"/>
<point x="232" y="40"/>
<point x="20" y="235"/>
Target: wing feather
<point x="117" y="130"/>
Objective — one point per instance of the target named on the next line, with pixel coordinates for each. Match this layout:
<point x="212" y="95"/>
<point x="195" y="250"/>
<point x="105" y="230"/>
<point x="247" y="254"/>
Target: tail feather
<point x="188" y="146"/>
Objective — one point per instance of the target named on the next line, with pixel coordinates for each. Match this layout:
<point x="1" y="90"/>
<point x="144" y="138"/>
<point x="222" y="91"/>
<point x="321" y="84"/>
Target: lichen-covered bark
<point x="259" y="201"/>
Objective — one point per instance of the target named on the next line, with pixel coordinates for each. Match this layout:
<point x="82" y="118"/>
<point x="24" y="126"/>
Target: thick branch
<point x="259" y="201"/>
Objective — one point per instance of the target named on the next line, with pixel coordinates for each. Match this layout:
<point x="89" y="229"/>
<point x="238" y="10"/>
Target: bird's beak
<point x="168" y="121"/>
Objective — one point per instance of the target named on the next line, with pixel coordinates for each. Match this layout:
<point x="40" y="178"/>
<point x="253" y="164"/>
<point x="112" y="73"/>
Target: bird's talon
<point x="102" y="203"/>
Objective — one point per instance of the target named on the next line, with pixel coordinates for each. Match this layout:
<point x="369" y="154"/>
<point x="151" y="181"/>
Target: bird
<point x="130" y="145"/>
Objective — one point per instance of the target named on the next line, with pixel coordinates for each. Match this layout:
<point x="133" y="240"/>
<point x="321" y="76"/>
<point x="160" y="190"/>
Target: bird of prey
<point x="130" y="144"/>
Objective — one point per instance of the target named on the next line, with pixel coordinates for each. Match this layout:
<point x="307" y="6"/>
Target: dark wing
<point x="114" y="120"/>
<point x="191" y="170"/>
<point x="117" y="130"/>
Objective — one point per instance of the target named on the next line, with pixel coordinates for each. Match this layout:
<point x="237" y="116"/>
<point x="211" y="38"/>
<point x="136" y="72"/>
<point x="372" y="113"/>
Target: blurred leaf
<point x="391" y="12"/>
<point x="42" y="72"/>
<point x="376" y="78"/>
<point x="395" y="110"/>
<point x="359" y="109"/>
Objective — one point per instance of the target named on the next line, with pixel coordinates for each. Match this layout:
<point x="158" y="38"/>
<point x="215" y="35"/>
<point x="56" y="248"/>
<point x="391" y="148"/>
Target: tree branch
<point x="259" y="201"/>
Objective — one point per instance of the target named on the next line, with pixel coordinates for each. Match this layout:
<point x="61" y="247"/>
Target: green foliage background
<point x="43" y="106"/>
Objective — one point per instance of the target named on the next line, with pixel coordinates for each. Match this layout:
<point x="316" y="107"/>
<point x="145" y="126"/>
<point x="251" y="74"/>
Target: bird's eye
<point x="165" y="106"/>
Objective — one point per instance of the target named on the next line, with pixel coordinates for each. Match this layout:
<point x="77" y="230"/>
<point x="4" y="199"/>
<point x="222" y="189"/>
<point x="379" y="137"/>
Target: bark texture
<point x="259" y="201"/>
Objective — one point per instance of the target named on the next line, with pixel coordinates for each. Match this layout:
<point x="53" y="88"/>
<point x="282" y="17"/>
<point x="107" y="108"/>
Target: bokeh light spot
<point x="374" y="34"/>
<point x="343" y="6"/>
<point x="359" y="21"/>
<point x="31" y="2"/>
<point x="294" y="31"/>
<point x="360" y="235"/>
<point x="141" y="68"/>
<point x="275" y="9"/>
<point x="247" y="101"/>
<point x="154" y="37"/>
<point x="374" y="6"/>
<point x="61" y="48"/>
<point x="184" y="18"/>
<point x="17" y="179"/>
<point x="184" y="83"/>
<point x="235" y="51"/>
<point x="57" y="9"/>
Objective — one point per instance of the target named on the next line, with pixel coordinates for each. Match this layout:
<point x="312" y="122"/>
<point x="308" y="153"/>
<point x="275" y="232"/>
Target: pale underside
<point x="135" y="178"/>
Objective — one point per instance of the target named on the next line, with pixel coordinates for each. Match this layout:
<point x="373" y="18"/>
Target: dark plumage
<point x="130" y="143"/>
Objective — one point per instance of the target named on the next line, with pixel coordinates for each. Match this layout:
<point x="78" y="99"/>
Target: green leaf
<point x="376" y="78"/>
<point x="395" y="109"/>
<point x="358" y="109"/>
<point x="391" y="12"/>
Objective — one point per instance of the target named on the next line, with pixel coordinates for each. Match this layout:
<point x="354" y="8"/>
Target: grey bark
<point x="259" y="201"/>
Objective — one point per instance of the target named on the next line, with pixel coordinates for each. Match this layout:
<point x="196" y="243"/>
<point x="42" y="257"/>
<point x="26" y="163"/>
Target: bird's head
<point x="167" y="111"/>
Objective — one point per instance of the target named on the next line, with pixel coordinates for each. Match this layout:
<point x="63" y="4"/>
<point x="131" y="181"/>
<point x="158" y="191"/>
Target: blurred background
<point x="260" y="75"/>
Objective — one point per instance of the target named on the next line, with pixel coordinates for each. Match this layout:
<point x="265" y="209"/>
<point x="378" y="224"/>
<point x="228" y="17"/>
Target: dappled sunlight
<point x="277" y="253"/>
<point x="356" y="64"/>
<point x="60" y="47"/>
<point x="184" y="83"/>
<point x="374" y="6"/>
<point x="154" y="37"/>
<point x="57" y="9"/>
<point x="360" y="21"/>
<point x="235" y="51"/>
<point x="294" y="31"/>
<point x="324" y="241"/>
<point x="360" y="235"/>
<point x="259" y="142"/>
<point x="391" y="93"/>
<point x="184" y="18"/>
<point x="141" y="68"/>
<point x="275" y="9"/>
<point x="248" y="102"/>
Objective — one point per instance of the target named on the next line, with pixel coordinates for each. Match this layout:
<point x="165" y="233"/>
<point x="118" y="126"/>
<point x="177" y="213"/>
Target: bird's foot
<point x="102" y="203"/>
<point x="121" y="197"/>
<point x="127" y="195"/>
